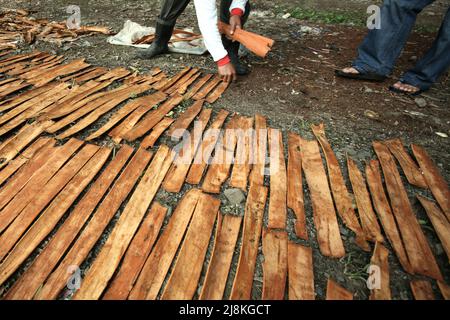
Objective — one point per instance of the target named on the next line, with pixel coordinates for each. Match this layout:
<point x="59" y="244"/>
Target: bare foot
<point x="350" y="70"/>
<point x="406" y="87"/>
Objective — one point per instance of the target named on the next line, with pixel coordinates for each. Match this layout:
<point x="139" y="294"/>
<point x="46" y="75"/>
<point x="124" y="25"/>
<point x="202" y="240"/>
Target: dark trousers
<point x="172" y="9"/>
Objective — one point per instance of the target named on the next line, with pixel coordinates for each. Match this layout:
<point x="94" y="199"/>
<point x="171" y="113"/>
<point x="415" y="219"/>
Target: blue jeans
<point x="381" y="47"/>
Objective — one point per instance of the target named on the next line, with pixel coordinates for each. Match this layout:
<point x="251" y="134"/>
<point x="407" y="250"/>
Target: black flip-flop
<point x="368" y="76"/>
<point x="411" y="94"/>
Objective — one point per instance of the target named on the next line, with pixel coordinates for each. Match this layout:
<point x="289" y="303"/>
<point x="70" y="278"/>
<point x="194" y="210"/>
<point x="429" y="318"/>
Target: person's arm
<point x="207" y="21"/>
<point x="238" y="7"/>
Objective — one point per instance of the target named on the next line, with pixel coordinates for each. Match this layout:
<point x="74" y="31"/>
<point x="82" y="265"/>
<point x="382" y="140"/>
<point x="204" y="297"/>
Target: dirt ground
<point x="294" y="88"/>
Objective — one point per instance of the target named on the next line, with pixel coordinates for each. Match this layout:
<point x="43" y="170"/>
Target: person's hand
<point x="227" y="72"/>
<point x="235" y="22"/>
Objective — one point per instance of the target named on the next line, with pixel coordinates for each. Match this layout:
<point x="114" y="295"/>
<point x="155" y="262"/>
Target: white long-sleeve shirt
<point x="207" y="21"/>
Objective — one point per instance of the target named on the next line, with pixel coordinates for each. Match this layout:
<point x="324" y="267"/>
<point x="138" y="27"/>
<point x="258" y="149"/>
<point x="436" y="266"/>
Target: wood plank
<point x="29" y="282"/>
<point x="24" y="137"/>
<point x="341" y="196"/>
<point x="36" y="183"/>
<point x="253" y="220"/>
<point x="158" y="263"/>
<point x="197" y="86"/>
<point x="139" y="250"/>
<point x="381" y="288"/>
<point x="422" y="290"/>
<point x="419" y="253"/>
<point x="336" y="292"/>
<point x="383" y="209"/>
<point x="203" y="92"/>
<point x="219" y="167"/>
<point x="39" y="200"/>
<point x="243" y="159"/>
<point x="178" y="171"/>
<point x="217" y="92"/>
<point x="295" y="186"/>
<point x="259" y="150"/>
<point x="278" y="181"/>
<point x="150" y="140"/>
<point x="445" y="290"/>
<point x="434" y="179"/>
<point x="23" y="158"/>
<point x="150" y="101"/>
<point x="52" y="214"/>
<point x="181" y="125"/>
<point x="366" y="214"/>
<point x="440" y="223"/>
<point x="21" y="178"/>
<point x="275" y="250"/>
<point x="300" y="272"/>
<point x="325" y="220"/>
<point x="94" y="229"/>
<point x="410" y="168"/>
<point x="150" y="121"/>
<point x="94" y="111"/>
<point x="227" y="232"/>
<point x="109" y="258"/>
<point x="183" y="281"/>
<point x="205" y="150"/>
<point x="97" y="113"/>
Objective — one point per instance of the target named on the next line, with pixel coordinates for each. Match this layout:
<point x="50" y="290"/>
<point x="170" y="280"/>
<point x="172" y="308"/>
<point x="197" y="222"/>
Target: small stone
<point x="439" y="249"/>
<point x="421" y="102"/>
<point x="234" y="195"/>
<point x="286" y="15"/>
<point x="367" y="90"/>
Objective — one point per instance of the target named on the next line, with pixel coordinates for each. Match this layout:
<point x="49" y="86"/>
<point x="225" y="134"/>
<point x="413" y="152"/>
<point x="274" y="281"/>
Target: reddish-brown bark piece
<point x="155" y="269"/>
<point x="23" y="158"/>
<point x="419" y="253"/>
<point x="380" y="262"/>
<point x="275" y="250"/>
<point x="180" y="126"/>
<point x="422" y="290"/>
<point x="251" y="233"/>
<point x="36" y="183"/>
<point x="259" y="150"/>
<point x="197" y="86"/>
<point x="410" y="169"/>
<point x="138" y="251"/>
<point x="157" y="131"/>
<point x="227" y="232"/>
<point x="218" y="91"/>
<point x="183" y="281"/>
<point x="300" y="272"/>
<point x="173" y="80"/>
<point x="50" y="217"/>
<point x="23" y="97"/>
<point x="341" y="196"/>
<point x="256" y="43"/>
<point x="152" y="119"/>
<point x="186" y="77"/>
<point x="220" y="166"/>
<point x="440" y="223"/>
<point x="200" y="95"/>
<point x="150" y="100"/>
<point x="243" y="159"/>
<point x="325" y="220"/>
<point x="336" y="292"/>
<point x="206" y="148"/>
<point x="434" y="179"/>
<point x="94" y="229"/>
<point x="278" y="181"/>
<point x="183" y="88"/>
<point x="383" y="209"/>
<point x="445" y="290"/>
<point x="295" y="185"/>
<point x="366" y="214"/>
<point x="177" y="174"/>
<point x="53" y="73"/>
<point x="29" y="282"/>
<point x="109" y="258"/>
